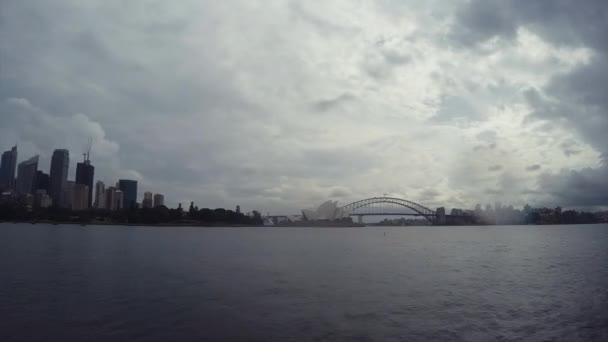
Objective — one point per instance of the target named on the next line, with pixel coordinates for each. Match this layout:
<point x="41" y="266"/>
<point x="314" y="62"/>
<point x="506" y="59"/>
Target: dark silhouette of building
<point x="26" y="176"/>
<point x="147" y="201"/>
<point x="85" y="172"/>
<point x="159" y="200"/>
<point x="60" y="162"/>
<point x="7" y="169"/>
<point x="42" y="181"/>
<point x="129" y="192"/>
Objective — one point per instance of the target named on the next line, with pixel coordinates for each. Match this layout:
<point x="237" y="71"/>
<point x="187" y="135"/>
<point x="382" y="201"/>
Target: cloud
<point x="495" y="168"/>
<point x="533" y="168"/>
<point x="574" y="99"/>
<point x="39" y="132"/>
<point x="584" y="188"/>
<point x="326" y="105"/>
<point x="278" y="106"/>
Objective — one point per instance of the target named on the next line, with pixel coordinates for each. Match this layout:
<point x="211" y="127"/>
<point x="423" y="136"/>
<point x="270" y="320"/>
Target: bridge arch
<point x="417" y="208"/>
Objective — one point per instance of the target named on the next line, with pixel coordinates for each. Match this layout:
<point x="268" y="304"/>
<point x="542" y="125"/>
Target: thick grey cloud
<point x="587" y="187"/>
<point x="280" y="105"/>
<point x="575" y="99"/>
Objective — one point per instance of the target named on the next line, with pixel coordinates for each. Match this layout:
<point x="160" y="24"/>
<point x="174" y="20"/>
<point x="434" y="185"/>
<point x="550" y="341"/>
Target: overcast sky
<point x="280" y="105"/>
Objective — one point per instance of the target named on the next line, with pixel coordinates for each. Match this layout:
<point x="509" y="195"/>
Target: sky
<point x="280" y="105"/>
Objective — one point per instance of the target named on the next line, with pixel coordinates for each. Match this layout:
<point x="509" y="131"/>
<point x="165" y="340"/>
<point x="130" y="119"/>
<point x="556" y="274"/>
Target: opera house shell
<point x="326" y="211"/>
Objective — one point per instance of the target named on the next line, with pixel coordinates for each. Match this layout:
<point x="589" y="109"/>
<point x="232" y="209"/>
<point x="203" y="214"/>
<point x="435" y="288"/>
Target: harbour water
<point x="111" y="283"/>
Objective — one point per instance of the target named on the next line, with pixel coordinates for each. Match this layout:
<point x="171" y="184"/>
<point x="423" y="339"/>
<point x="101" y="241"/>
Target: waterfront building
<point x="159" y="200"/>
<point x="85" y="173"/>
<point x="80" y="197"/>
<point x="42" y="181"/>
<point x="60" y="163"/>
<point x="100" y="195"/>
<point x="42" y="199"/>
<point x="129" y="191"/>
<point x="110" y="198"/>
<point x="147" y="201"/>
<point x="119" y="200"/>
<point x="7" y="170"/>
<point x="26" y="176"/>
<point x="66" y="195"/>
<point x="440" y="212"/>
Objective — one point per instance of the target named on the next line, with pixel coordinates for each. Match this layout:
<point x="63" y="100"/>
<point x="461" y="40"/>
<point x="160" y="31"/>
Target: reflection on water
<point x="533" y="283"/>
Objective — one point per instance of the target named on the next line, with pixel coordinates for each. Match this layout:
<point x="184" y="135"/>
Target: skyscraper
<point x="119" y="202"/>
<point x="85" y="172"/>
<point x="111" y="198"/>
<point x="159" y="200"/>
<point x="7" y="169"/>
<point x="26" y="176"/>
<point x="129" y="192"/>
<point x="67" y="194"/>
<point x="60" y="163"/>
<point x="100" y="195"/>
<point x="42" y="181"/>
<point x="80" y="197"/>
<point x="147" y="201"/>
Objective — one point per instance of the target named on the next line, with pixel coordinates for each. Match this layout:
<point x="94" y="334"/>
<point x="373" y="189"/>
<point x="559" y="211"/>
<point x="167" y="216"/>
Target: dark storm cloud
<point x="576" y="99"/>
<point x="559" y="21"/>
<point x="587" y="187"/>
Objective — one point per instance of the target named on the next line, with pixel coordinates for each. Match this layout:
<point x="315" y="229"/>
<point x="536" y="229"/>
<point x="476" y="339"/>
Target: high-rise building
<point x="26" y="176"/>
<point x="60" y="163"/>
<point x="100" y="195"/>
<point x="129" y="191"/>
<point x="7" y="169"/>
<point x="85" y="172"/>
<point x="111" y="198"/>
<point x="67" y="195"/>
<point x="119" y="200"/>
<point x="80" y="197"/>
<point x="42" y="181"/>
<point x="159" y="200"/>
<point x="147" y="201"/>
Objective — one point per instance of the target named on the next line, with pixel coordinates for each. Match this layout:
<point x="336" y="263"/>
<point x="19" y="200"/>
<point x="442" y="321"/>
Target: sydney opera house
<point x="328" y="211"/>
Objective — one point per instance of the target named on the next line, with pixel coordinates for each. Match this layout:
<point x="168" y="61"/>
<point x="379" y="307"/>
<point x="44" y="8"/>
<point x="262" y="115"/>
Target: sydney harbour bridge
<point x="389" y="206"/>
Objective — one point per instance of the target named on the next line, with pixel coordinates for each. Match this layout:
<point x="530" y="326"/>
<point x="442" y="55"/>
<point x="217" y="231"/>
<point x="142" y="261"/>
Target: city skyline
<point x="280" y="106"/>
<point x="80" y="193"/>
<point x="125" y="193"/>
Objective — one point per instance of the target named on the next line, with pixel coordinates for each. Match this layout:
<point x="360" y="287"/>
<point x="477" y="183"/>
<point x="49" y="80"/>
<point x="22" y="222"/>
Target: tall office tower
<point x="42" y="181"/>
<point x="100" y="195"/>
<point x="67" y="195"/>
<point x="159" y="200"/>
<point x="119" y="200"/>
<point x="7" y="170"/>
<point x="60" y="163"/>
<point x="147" y="202"/>
<point x="111" y="198"/>
<point x="85" y="172"/>
<point x="80" y="197"/>
<point x="129" y="192"/>
<point x="26" y="176"/>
